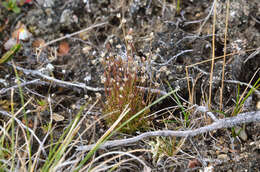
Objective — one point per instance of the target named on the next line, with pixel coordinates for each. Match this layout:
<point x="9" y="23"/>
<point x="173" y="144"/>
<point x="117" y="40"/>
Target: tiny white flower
<point x="134" y="69"/>
<point x="86" y="49"/>
<point x="87" y="78"/>
<point x="129" y="48"/>
<point x="111" y="41"/>
<point x="129" y="37"/>
<point x="157" y="85"/>
<point x="123" y="20"/>
<point x="112" y="80"/>
<point x="143" y="79"/>
<point x="93" y="61"/>
<point x="50" y="67"/>
<point x="86" y="96"/>
<point x="135" y="63"/>
<point x="143" y="69"/>
<point x="118" y="46"/>
<point x="168" y="72"/>
<point x="102" y="54"/>
<point x="131" y="96"/>
<point x="154" y="57"/>
<point x="24" y="34"/>
<point x="103" y="79"/>
<point x="98" y="95"/>
<point x="163" y="69"/>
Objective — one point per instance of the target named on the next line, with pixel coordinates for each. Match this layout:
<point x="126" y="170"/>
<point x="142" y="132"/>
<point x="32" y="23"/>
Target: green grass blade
<point x="9" y="54"/>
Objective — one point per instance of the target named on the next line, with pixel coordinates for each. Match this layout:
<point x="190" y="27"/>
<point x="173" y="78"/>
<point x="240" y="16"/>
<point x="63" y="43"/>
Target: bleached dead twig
<point x="152" y="90"/>
<point x="75" y="33"/>
<point x="257" y="51"/>
<point x="243" y="83"/>
<point x="219" y="124"/>
<point x="78" y="85"/>
<point x="206" y="110"/>
<point x="230" y="81"/>
<point x="172" y="58"/>
<point x="57" y="81"/>
<point x="4" y="90"/>
<point x="25" y="127"/>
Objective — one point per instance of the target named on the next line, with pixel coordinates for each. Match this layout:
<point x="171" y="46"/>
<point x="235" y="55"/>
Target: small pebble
<point x="223" y="157"/>
<point x="242" y="133"/>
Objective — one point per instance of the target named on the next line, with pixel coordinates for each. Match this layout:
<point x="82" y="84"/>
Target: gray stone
<point x="241" y="133"/>
<point x="223" y="157"/>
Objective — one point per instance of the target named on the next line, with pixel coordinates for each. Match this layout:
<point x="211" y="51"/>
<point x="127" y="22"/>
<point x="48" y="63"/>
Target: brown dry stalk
<point x="213" y="53"/>
<point x="224" y="59"/>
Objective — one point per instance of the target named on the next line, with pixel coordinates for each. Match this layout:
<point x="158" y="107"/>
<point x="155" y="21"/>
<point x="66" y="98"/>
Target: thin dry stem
<point x="129" y="153"/>
<point x="224" y="59"/>
<point x="73" y="34"/>
<point x="219" y="57"/>
<point x="213" y="53"/>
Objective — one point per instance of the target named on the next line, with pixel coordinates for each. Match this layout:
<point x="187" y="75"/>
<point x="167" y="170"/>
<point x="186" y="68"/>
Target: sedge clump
<point x="122" y="81"/>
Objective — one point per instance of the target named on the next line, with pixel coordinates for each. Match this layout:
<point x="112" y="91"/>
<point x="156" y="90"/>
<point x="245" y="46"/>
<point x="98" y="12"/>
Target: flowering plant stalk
<point x="121" y="82"/>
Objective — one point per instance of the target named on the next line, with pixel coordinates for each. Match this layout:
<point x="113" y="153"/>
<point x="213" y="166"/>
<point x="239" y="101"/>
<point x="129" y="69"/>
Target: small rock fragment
<point x="223" y="157"/>
<point x="38" y="43"/>
<point x="241" y="133"/>
<point x="86" y="49"/>
<point x="10" y="43"/>
<point x="64" y="48"/>
<point x="66" y="17"/>
<point x="194" y="163"/>
<point x="46" y="3"/>
<point x="57" y="117"/>
<point x="21" y="32"/>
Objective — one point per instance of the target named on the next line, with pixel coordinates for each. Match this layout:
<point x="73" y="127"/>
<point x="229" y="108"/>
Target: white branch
<point x="75" y="33"/>
<point x="77" y="85"/>
<point x="57" y="81"/>
<point x="222" y="123"/>
<point x="4" y="90"/>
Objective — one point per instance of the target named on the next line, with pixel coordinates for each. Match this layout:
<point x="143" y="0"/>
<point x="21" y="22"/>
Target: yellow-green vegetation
<point x="9" y="54"/>
<point x="178" y="6"/>
<point x="165" y="146"/>
<point x="240" y="99"/>
<point x="11" y="5"/>
<point x="122" y="81"/>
